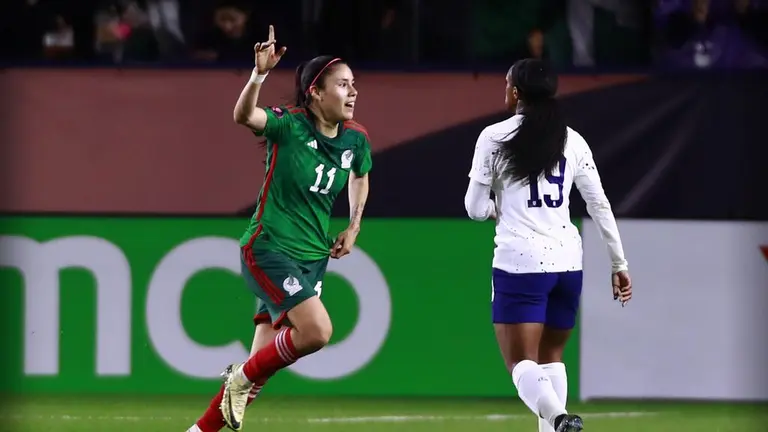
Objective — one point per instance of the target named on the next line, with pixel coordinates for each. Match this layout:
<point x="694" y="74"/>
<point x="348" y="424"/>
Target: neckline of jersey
<point x="318" y="134"/>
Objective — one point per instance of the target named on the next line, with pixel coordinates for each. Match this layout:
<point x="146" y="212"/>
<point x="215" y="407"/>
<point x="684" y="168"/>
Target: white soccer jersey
<point x="534" y="232"/>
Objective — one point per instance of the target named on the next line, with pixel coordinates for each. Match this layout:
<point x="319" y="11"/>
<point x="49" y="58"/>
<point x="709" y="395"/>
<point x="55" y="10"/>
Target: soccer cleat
<point x="569" y="423"/>
<point x="235" y="397"/>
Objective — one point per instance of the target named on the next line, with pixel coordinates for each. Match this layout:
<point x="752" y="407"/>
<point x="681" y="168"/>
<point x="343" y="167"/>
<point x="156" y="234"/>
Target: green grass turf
<point x="281" y="414"/>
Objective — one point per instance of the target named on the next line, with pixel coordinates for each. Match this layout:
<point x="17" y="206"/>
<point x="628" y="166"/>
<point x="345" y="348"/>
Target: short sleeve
<point x="483" y="160"/>
<point x="363" y="162"/>
<point x="279" y="121"/>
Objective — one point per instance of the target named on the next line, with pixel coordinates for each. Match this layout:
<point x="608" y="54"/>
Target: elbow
<point x="475" y="214"/>
<point x="599" y="207"/>
<point x="478" y="217"/>
<point x="240" y="117"/>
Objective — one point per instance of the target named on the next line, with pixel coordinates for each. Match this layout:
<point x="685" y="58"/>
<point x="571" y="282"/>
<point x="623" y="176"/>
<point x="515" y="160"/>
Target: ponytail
<point x="534" y="149"/>
<point x="300" y="99"/>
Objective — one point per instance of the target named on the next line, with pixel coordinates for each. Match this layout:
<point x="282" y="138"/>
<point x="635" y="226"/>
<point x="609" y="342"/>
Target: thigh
<point x="563" y="302"/>
<point x="277" y="281"/>
<point x="520" y="298"/>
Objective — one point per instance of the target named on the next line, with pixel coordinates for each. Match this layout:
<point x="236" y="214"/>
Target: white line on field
<point x="367" y="419"/>
<point x="438" y="418"/>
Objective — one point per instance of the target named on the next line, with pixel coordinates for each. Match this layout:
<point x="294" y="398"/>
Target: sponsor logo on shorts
<point x="291" y="285"/>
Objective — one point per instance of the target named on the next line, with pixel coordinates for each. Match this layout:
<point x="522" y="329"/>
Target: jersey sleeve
<point x="482" y="161"/>
<point x="590" y="187"/>
<point x="362" y="163"/>
<point x="279" y="121"/>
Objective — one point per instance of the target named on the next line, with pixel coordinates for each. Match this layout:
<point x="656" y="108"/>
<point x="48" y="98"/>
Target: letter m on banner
<point x="40" y="264"/>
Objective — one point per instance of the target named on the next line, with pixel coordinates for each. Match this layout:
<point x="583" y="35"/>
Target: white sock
<point x="194" y="428"/>
<point x="240" y="378"/>
<point x="559" y="379"/>
<point x="536" y="391"/>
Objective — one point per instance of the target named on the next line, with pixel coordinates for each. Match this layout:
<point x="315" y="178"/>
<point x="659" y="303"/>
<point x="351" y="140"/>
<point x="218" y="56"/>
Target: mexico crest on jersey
<point x="346" y="159"/>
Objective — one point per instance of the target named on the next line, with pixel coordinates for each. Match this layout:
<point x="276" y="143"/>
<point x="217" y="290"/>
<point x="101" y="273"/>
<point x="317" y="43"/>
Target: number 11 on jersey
<point x="331" y="175"/>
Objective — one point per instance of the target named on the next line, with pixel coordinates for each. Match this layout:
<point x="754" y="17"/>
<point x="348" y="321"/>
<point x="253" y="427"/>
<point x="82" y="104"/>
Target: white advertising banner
<point x="697" y="327"/>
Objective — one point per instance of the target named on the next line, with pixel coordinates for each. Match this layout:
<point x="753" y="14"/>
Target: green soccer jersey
<point x="305" y="173"/>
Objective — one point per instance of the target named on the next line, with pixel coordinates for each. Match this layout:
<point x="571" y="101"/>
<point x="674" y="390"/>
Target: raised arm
<point x="246" y="112"/>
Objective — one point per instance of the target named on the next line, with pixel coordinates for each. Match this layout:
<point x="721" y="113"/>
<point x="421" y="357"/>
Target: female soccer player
<point x="313" y="150"/>
<point x="530" y="162"/>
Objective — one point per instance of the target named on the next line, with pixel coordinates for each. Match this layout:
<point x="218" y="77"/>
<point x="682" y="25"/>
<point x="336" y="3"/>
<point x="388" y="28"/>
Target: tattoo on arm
<point x="356" y="215"/>
<point x="358" y="195"/>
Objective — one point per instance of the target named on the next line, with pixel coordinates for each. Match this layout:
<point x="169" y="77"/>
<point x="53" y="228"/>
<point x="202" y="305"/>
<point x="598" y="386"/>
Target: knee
<point x="320" y="333"/>
<point x="315" y="335"/>
<point x="312" y="326"/>
<point x="512" y="363"/>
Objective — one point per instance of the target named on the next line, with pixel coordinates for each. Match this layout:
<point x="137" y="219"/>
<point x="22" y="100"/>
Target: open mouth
<point x="350" y="104"/>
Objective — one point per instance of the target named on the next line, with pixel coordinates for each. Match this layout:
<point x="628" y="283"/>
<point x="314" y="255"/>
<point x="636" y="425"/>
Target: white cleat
<point x="235" y="397"/>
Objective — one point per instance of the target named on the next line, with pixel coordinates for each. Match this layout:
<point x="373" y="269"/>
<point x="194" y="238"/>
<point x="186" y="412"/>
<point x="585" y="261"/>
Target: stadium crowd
<point x="582" y="33"/>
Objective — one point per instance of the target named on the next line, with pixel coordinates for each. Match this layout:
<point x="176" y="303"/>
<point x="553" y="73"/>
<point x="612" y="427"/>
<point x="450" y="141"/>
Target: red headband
<point x="312" y="84"/>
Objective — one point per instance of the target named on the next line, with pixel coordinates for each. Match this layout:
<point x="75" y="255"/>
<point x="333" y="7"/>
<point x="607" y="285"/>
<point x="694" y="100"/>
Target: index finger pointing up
<point x="271" y="32"/>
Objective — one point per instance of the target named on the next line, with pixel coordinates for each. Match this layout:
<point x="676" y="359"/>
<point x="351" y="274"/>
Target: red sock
<point x="276" y="355"/>
<point x="212" y="420"/>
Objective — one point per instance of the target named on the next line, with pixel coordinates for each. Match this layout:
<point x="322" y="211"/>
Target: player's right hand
<point x="265" y="56"/>
<point x="622" y="287"/>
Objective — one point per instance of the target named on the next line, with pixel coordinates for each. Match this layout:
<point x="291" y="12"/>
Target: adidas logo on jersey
<point x="312" y="144"/>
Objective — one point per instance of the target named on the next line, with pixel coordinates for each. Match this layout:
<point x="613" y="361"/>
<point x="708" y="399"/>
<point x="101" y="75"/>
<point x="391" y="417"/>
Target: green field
<point x="281" y="414"/>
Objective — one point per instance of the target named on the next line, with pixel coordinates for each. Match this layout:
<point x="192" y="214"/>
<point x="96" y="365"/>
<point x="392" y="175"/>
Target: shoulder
<point x="289" y="112"/>
<point x="356" y="130"/>
<point x="496" y="132"/>
<point x="576" y="144"/>
<point x="493" y="135"/>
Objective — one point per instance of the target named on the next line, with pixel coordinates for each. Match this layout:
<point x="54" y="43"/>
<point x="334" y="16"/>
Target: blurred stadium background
<point x="125" y="186"/>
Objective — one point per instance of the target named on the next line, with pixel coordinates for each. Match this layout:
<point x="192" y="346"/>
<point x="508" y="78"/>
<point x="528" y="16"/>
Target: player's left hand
<point x="344" y="243"/>
<point x="622" y="287"/>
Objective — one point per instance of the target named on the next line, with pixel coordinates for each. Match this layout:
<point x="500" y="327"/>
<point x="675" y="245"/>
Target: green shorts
<point x="280" y="283"/>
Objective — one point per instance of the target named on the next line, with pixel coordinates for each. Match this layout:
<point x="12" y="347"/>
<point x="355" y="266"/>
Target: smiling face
<point x="336" y="95"/>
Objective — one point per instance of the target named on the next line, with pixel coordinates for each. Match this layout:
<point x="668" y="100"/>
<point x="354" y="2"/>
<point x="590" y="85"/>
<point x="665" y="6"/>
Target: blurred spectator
<point x="500" y="29"/>
<point x="127" y="34"/>
<point x="536" y="44"/>
<point x="609" y="32"/>
<point x="230" y="36"/>
<point x="59" y="39"/>
<point x="165" y="19"/>
<point x="32" y="30"/>
<point x="700" y="37"/>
